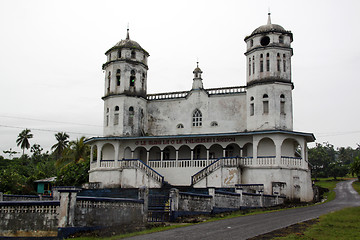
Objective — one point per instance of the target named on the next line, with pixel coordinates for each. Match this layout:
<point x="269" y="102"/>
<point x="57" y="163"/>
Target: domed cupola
<point x="126" y="69"/>
<point x="197" y="81"/>
<point x="268" y="54"/>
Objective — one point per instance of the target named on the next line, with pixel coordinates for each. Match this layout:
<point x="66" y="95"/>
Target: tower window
<point x="118" y="74"/>
<point x="252" y="109"/>
<point x="116" y="115"/>
<point x="267" y="65"/>
<point x="284" y="65"/>
<point x="251" y="43"/>
<point x="282" y="104"/>
<point x="265" y="107"/>
<point x="107" y="120"/>
<point x="251" y="98"/>
<point x="253" y="65"/>
<point x="131" y="111"/>
<point x="278" y="62"/>
<point x="265" y="96"/>
<point x="132" y="78"/>
<point x="109" y="81"/>
<point x="197" y="118"/>
<point x="133" y="54"/>
<point x="261" y="63"/>
<point x="264" y="41"/>
<point x="268" y="55"/>
<point x="281" y="39"/>
<point x="249" y="66"/>
<point x="119" y="54"/>
<point x="180" y="125"/>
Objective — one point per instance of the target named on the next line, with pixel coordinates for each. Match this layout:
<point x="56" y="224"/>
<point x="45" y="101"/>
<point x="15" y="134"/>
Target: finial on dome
<point x="127" y="34"/>
<point x="269" y="18"/>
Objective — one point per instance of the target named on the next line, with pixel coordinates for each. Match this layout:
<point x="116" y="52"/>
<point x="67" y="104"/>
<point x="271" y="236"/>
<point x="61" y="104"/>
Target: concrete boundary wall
<point x="68" y="214"/>
<point x="216" y="201"/>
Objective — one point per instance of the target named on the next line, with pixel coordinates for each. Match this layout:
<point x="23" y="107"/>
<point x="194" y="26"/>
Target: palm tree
<point x="23" y="139"/>
<point x="62" y="143"/>
<point x="77" y="151"/>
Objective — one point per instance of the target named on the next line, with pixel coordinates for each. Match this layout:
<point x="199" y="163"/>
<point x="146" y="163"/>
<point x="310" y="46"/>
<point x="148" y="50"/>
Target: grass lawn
<point x="343" y="224"/>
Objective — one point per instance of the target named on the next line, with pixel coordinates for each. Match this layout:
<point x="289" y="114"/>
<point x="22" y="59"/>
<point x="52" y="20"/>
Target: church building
<point x="217" y="137"/>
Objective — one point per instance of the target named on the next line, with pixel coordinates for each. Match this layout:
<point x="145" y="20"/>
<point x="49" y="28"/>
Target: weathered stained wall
<point x="29" y="218"/>
<point x="229" y="111"/>
<point x="91" y="212"/>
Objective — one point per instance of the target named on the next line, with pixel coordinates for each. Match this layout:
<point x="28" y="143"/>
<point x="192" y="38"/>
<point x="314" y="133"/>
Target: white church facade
<point x="202" y="138"/>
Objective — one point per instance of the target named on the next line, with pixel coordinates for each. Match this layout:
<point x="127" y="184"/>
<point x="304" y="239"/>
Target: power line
<point x="42" y="120"/>
<point x="49" y="130"/>
<point x="336" y="133"/>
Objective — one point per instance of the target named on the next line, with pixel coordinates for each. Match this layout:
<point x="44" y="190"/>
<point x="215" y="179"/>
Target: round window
<point x="265" y="41"/>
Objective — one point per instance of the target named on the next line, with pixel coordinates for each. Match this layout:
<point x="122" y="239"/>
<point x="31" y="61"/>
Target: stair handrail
<point x="141" y="165"/>
<point x="210" y="168"/>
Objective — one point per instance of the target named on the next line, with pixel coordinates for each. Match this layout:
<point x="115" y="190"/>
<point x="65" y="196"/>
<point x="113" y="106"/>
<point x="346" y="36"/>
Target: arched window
<point x="131" y="111"/>
<point x="267" y="62"/>
<point x="249" y="66"/>
<point x="284" y="63"/>
<point x="265" y="104"/>
<point x="252" y="106"/>
<point x="180" y="125"/>
<point x="253" y="65"/>
<point x="107" y="117"/>
<point x="119" y="54"/>
<point x="251" y="43"/>
<point x="261" y="63"/>
<point x="281" y="39"/>
<point x="197" y="118"/>
<point x="132" y="78"/>
<point x="109" y="81"/>
<point x="116" y="115"/>
<point x="118" y="74"/>
<point x="282" y="104"/>
<point x="278" y="62"/>
<point x="133" y="54"/>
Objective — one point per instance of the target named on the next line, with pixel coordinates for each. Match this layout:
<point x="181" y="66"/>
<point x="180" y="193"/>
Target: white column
<point x="161" y="158"/>
<point x="277" y="152"/>
<point x="207" y="157"/>
<point x="191" y="158"/>
<point x="255" y="153"/>
<point x="147" y="157"/>
<point x="176" y="158"/>
<point x="116" y="157"/>
<point x="98" y="158"/>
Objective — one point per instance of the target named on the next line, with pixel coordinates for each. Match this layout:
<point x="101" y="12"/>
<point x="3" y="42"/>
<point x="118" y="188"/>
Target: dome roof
<point x="128" y="43"/>
<point x="268" y="28"/>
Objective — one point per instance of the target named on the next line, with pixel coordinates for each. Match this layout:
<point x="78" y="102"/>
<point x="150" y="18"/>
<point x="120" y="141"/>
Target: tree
<point x="23" y="139"/>
<point x="61" y="145"/>
<point x="355" y="168"/>
<point x="76" y="152"/>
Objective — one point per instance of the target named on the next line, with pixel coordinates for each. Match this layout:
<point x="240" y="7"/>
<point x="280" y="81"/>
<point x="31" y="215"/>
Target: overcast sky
<point x="51" y="53"/>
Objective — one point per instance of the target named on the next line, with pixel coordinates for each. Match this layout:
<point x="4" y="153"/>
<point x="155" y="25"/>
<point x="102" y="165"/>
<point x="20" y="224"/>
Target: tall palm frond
<point x="61" y="145"/>
<point x="23" y="139"/>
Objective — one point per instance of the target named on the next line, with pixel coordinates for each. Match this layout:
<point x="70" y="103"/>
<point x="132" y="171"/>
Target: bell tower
<point x="269" y="86"/>
<point x="125" y="89"/>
